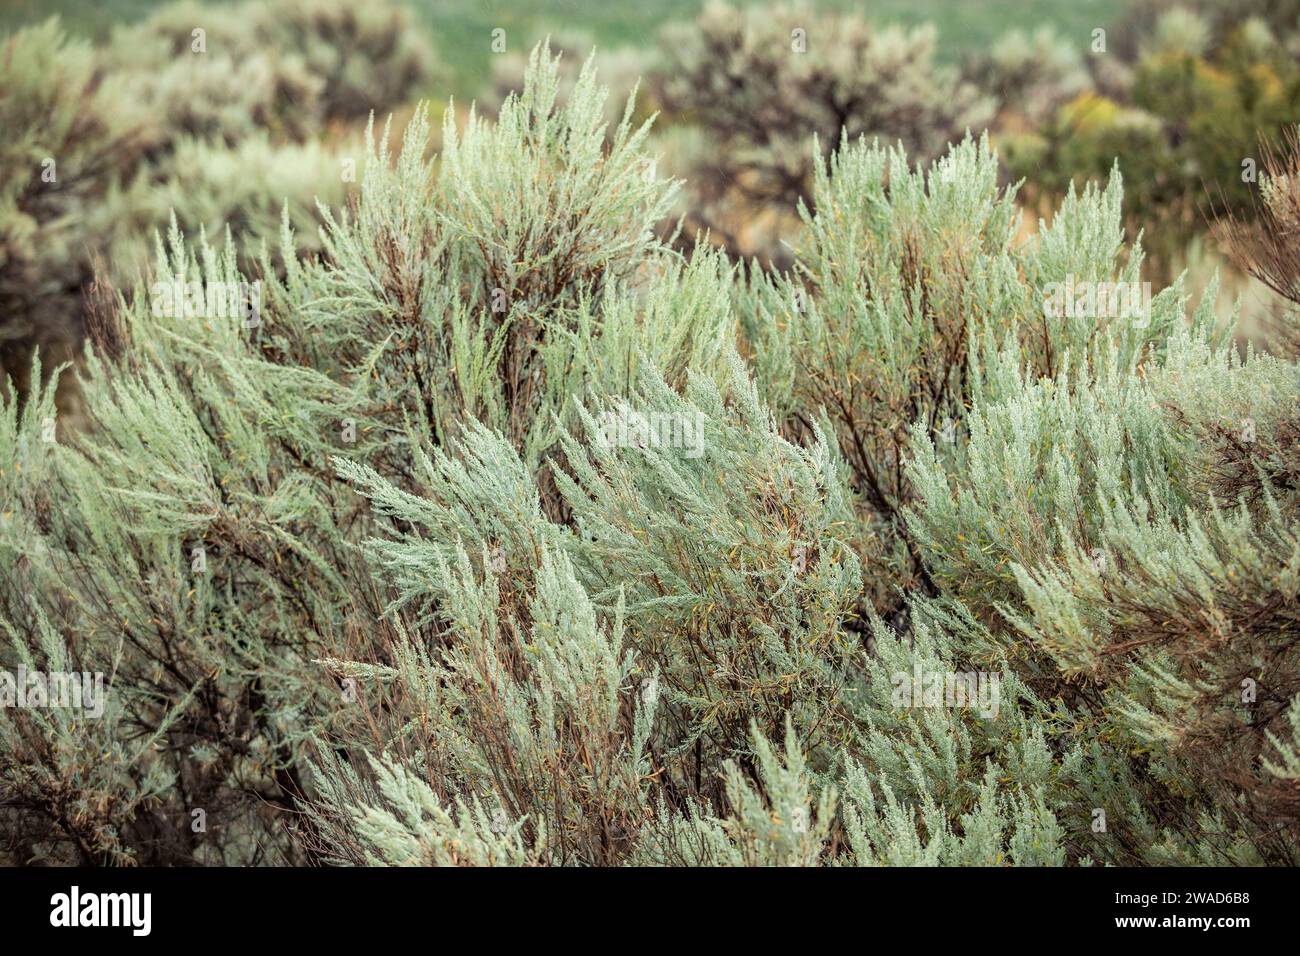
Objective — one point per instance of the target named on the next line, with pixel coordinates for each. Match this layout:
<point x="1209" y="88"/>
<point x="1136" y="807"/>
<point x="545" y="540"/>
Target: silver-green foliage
<point x="383" y="573"/>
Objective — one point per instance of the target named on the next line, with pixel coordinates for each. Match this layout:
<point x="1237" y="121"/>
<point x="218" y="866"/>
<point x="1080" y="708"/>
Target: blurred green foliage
<point x="463" y="30"/>
<point x="1189" y="122"/>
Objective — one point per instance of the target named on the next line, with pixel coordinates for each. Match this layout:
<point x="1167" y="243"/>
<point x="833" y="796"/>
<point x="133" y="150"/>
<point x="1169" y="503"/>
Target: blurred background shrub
<point x="263" y="112"/>
<point x="221" y="116"/>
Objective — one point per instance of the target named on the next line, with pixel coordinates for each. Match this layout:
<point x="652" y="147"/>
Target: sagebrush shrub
<point x="1191" y="96"/>
<point x="496" y="531"/>
<point x="63" y="133"/>
<point x="761" y="82"/>
<point x="214" y="129"/>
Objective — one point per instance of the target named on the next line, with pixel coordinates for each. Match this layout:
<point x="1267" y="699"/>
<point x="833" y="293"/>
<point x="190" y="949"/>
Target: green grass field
<point x="463" y="28"/>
